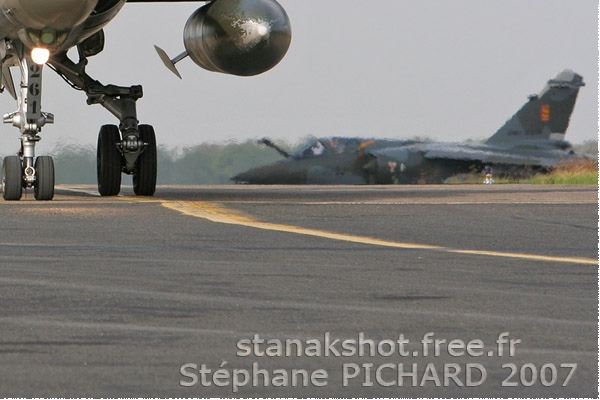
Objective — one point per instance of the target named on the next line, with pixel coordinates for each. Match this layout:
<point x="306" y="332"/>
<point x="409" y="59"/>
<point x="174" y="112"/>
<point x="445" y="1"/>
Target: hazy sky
<point x="447" y="69"/>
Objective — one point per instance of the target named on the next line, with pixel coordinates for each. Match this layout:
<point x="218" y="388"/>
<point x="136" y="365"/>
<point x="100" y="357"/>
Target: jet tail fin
<point x="546" y="115"/>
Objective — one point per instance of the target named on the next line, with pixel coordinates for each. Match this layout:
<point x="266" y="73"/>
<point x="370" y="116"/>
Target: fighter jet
<point x="534" y="138"/>
<point x="238" y="37"/>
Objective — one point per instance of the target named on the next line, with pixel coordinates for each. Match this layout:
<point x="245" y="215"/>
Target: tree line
<point x="207" y="163"/>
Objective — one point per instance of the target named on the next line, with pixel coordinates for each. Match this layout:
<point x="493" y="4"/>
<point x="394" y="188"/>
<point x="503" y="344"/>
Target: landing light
<point x="40" y="55"/>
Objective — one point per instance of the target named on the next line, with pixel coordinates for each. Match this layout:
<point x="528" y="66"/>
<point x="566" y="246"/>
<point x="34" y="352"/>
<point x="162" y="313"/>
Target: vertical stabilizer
<point x="546" y="115"/>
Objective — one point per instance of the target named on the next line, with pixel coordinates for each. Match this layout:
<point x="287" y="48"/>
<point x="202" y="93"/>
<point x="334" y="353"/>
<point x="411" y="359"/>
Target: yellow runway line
<point x="217" y="213"/>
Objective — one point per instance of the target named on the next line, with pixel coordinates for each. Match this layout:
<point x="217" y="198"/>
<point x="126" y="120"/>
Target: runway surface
<point x="411" y="291"/>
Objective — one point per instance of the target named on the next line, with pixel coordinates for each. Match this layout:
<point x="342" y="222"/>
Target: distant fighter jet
<point x="238" y="37"/>
<point x="534" y="138"/>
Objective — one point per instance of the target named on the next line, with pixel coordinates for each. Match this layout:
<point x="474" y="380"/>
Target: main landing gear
<point x="128" y="148"/>
<point x="111" y="162"/>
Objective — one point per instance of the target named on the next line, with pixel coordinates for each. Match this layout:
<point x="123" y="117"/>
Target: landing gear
<point x="109" y="161"/>
<point x="24" y="170"/>
<point x="129" y="148"/>
<point x="112" y="162"/>
<point x="12" y="178"/>
<point x="43" y="187"/>
<point x="144" y="174"/>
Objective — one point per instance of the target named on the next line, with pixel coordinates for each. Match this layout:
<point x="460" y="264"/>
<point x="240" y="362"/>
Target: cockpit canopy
<point x="328" y="146"/>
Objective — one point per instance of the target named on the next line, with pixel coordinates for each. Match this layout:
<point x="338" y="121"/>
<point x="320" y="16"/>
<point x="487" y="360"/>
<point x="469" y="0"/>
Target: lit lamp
<point x="40" y="55"/>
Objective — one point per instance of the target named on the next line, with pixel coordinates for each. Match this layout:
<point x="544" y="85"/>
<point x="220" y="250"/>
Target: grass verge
<point x="570" y="172"/>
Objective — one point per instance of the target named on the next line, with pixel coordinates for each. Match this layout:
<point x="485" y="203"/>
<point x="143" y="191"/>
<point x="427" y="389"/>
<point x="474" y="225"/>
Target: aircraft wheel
<point x="109" y="161"/>
<point x="44" y="183"/>
<point x="144" y="174"/>
<point x="12" y="178"/>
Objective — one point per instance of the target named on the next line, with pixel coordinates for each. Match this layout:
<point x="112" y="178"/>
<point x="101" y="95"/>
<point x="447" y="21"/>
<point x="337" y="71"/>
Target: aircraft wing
<point x="458" y="152"/>
<point x="486" y="156"/>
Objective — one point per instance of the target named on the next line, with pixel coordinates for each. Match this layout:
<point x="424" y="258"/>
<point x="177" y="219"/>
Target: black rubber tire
<point x="109" y="161"/>
<point x="144" y="174"/>
<point x="44" y="182"/>
<point x="12" y="178"/>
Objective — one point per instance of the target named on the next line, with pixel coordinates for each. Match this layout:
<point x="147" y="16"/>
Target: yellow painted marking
<point x="363" y="145"/>
<point x="215" y="212"/>
<point x="526" y="256"/>
<point x="545" y="113"/>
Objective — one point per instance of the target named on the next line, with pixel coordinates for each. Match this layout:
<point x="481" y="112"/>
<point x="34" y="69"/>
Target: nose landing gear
<point x="24" y="170"/>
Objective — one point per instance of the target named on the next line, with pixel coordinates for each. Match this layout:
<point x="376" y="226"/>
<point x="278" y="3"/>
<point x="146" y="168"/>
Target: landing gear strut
<point x="129" y="148"/>
<point x="24" y="170"/>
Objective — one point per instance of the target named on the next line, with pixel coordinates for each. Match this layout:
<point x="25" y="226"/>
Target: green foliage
<point x="201" y="164"/>
<point x="75" y="164"/>
<point x="570" y="172"/>
<point x="566" y="179"/>
<point x="213" y="163"/>
<point x="216" y="163"/>
<point x="588" y="148"/>
<point x="478" y="178"/>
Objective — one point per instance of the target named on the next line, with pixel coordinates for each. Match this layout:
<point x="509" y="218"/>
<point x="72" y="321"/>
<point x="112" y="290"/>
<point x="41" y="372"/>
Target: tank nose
<point x="58" y="15"/>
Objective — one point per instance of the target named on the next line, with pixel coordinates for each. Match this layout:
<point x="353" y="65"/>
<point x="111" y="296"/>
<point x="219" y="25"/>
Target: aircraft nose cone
<point x="47" y="14"/>
<point x="256" y="176"/>
<point x="273" y="174"/>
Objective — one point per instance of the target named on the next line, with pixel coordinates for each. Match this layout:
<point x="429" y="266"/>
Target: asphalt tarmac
<point x="226" y="291"/>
